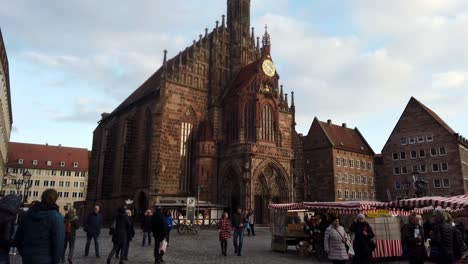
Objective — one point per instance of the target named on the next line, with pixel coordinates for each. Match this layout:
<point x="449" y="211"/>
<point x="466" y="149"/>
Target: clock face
<point x="268" y="68"/>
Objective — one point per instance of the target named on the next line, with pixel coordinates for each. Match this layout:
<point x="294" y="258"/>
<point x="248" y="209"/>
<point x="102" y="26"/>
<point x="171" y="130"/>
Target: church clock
<point x="268" y="68"/>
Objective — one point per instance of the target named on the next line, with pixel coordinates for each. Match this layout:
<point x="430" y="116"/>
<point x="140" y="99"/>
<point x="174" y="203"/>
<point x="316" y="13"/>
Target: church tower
<point x="242" y="44"/>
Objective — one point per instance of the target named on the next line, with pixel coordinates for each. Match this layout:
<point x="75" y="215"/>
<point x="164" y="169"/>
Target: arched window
<point x="267" y="128"/>
<point x="249" y="121"/>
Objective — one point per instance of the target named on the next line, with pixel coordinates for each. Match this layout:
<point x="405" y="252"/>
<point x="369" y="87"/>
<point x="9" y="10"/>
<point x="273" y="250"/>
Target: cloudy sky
<point x="357" y="62"/>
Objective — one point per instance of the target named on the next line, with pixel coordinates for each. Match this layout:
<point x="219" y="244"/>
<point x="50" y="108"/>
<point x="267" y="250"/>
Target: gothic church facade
<point x="214" y="118"/>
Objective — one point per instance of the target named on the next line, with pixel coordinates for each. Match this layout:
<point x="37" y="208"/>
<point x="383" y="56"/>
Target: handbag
<point x="163" y="246"/>
<point x="348" y="246"/>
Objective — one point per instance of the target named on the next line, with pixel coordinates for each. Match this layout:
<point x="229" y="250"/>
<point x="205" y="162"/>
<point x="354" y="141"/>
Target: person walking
<point x="119" y="230"/>
<point x="412" y="240"/>
<point x="130" y="235"/>
<point x="224" y="227"/>
<point x="335" y="242"/>
<point x="169" y="220"/>
<point x="238" y="224"/>
<point x="251" y="221"/>
<point x="92" y="228"/>
<point x="441" y="239"/>
<point x="71" y="223"/>
<point x="363" y="244"/>
<point x="459" y="247"/>
<point x="9" y="209"/>
<point x="41" y="233"/>
<point x="159" y="227"/>
<point x="146" y="227"/>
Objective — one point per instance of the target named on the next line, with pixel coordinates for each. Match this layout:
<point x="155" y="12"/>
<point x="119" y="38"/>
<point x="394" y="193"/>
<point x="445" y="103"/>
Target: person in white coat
<point x="335" y="242"/>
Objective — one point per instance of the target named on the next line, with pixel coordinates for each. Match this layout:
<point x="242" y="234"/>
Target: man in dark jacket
<point x="92" y="228"/>
<point x="41" y="234"/>
<point x="9" y="208"/>
<point x="159" y="228"/>
<point x="363" y="245"/>
<point x="441" y="239"/>
<point x="120" y="230"/>
<point x="238" y="222"/>
<point x="412" y="239"/>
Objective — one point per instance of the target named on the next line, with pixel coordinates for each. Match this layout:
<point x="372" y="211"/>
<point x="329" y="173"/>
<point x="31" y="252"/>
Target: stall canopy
<point x="345" y="207"/>
<point x="453" y="202"/>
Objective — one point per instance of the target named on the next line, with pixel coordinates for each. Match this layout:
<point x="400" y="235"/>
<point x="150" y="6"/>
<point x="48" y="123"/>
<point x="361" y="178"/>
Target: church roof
<point x="345" y="138"/>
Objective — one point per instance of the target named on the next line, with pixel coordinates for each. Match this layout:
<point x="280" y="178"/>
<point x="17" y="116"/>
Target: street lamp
<point x="420" y="184"/>
<point x="27" y="184"/>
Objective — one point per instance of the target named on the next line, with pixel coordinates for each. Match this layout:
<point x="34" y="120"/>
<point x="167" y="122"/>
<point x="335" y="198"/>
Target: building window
<point x="364" y="179"/>
<point x="49" y="163"/>
<point x="423" y="168"/>
<point x="402" y="155"/>
<point x="75" y="184"/>
<point x="267" y="126"/>
<point x="422" y="153"/>
<point x="53" y="172"/>
<point x="60" y="194"/>
<point x="77" y="173"/>
<point x="359" y="195"/>
<point x="81" y="184"/>
<point x="371" y="181"/>
<point x="414" y="154"/>
<point x="69" y="173"/>
<point x="395" y="156"/>
<point x="366" y="195"/>
<point x="338" y="161"/>
<point x="60" y="183"/>
<point x="46" y="183"/>
<point x="339" y="177"/>
<point x="185" y="146"/>
<point x="62" y="173"/>
<point x="358" y="164"/>
<point x="340" y="194"/>
<point x="351" y="163"/>
<point x="346" y="195"/>
<point x="345" y="178"/>
<point x="412" y="140"/>
<point x="345" y="162"/>
<point x="20" y="161"/>
<point x="359" y="179"/>
<point x="435" y="167"/>
<point x="35" y="193"/>
<point x="446" y="183"/>
<point x="364" y="165"/>
<point x="396" y="171"/>
<point x="34" y="162"/>
<point x="416" y="168"/>
<point x="404" y="170"/>
<point x="83" y="174"/>
<point x="369" y="165"/>
<point x="52" y="183"/>
<point x="437" y="183"/>
<point x="352" y="179"/>
<point x="67" y="184"/>
<point x="75" y="164"/>
<point x="444" y="166"/>
<point x="74" y="195"/>
<point x="37" y="183"/>
<point x="397" y="185"/>
<point x="433" y="152"/>
<point x="420" y="139"/>
<point x="442" y="151"/>
<point x="62" y="164"/>
<point x="66" y="195"/>
<point x="80" y="195"/>
<point x="353" y="195"/>
<point x="429" y="138"/>
<point x="403" y="141"/>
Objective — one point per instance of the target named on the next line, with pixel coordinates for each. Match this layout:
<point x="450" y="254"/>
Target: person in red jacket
<point x="224" y="232"/>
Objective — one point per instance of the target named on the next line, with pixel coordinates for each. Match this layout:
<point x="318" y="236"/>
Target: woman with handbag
<point x="363" y="244"/>
<point x="224" y="232"/>
<point x="335" y="242"/>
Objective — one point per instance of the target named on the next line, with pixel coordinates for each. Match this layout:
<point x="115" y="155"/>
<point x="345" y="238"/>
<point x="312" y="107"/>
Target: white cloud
<point x="451" y="79"/>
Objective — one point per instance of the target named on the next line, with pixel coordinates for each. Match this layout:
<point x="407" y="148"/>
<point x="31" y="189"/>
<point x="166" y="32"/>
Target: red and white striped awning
<point x="453" y="202"/>
<point x="286" y="206"/>
<point x="346" y="207"/>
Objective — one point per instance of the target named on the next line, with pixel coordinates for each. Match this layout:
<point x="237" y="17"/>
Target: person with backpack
<point x="71" y="223"/>
<point x="9" y="208"/>
<point x="459" y="246"/>
<point x="442" y="239"/>
<point x="41" y="234"/>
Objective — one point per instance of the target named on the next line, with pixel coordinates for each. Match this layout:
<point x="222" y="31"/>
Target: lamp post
<point x="27" y="184"/>
<point x="420" y="184"/>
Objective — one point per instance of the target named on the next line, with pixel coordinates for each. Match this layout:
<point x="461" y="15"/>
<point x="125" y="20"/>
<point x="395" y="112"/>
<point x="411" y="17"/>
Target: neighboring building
<point x="64" y="169"/>
<point x="380" y="190"/>
<point x="213" y="117"/>
<point x="422" y="142"/>
<point x="338" y="164"/>
<point x="6" y="116"/>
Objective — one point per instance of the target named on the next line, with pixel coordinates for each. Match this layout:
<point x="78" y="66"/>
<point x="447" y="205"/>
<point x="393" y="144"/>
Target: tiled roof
<point x="346" y="138"/>
<point x="43" y="153"/>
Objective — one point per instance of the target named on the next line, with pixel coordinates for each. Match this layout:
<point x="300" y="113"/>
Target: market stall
<point x="384" y="221"/>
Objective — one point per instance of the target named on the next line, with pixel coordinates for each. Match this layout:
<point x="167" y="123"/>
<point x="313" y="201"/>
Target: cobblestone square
<point x="202" y="248"/>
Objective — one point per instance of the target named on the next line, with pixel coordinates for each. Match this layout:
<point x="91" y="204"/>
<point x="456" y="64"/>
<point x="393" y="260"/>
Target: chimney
<point x="329" y="122"/>
<point x="343" y="125"/>
<point x="60" y="145"/>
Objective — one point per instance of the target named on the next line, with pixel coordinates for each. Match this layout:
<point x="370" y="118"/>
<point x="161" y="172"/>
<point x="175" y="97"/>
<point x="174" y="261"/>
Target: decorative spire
<point x="292" y="101"/>
<point x="253" y="36"/>
<point x="200" y="39"/>
<point x="266" y="37"/>
<point x="180" y="59"/>
<point x="206" y="32"/>
<point x="217" y="24"/>
<point x="165" y="58"/>
<point x="281" y="92"/>
<point x="258" y="43"/>
<point x="187" y="54"/>
<point x="286" y="99"/>
<point x="222" y="21"/>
